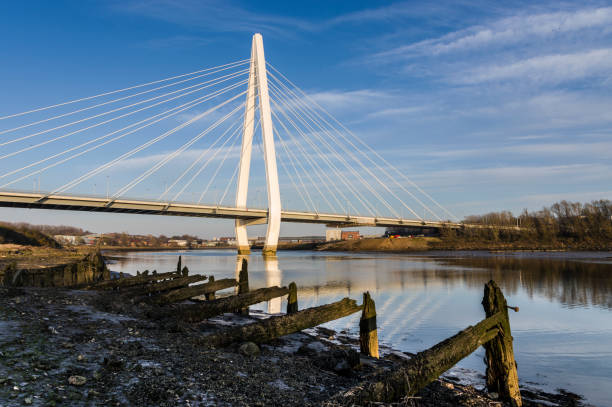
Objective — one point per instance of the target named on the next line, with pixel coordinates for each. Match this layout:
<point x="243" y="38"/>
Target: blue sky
<point x="485" y="106"/>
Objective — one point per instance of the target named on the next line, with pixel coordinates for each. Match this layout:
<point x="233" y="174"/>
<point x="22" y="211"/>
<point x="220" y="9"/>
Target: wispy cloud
<point x="544" y="69"/>
<point x="511" y="30"/>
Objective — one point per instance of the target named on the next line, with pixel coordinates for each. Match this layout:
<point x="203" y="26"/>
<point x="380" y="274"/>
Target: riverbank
<point x="69" y="347"/>
<point x="420" y="244"/>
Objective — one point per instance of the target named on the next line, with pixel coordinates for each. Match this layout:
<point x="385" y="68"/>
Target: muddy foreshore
<point x="61" y="346"/>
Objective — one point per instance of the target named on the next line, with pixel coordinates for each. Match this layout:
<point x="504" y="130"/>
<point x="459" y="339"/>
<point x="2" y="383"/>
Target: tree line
<point x="563" y="224"/>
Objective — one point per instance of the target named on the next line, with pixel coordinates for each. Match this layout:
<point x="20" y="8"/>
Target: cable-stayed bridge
<point x="191" y="144"/>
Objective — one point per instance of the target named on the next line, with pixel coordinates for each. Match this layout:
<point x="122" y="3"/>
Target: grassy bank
<point x="433" y="243"/>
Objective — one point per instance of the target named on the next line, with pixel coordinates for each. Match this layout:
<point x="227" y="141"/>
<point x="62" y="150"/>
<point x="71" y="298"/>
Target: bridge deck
<point x="252" y="216"/>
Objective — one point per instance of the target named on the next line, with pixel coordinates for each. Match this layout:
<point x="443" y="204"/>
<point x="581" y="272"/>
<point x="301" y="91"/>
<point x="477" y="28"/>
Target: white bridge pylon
<point x="257" y="92"/>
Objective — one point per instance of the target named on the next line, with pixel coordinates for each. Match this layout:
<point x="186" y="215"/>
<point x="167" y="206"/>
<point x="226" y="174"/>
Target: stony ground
<point x="85" y="348"/>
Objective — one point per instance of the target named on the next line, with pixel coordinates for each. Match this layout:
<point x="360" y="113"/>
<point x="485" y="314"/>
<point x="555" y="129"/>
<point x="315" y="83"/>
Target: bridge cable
<point x="305" y="106"/>
<point x="334" y="169"/>
<point x="143" y="146"/>
<point x="108" y="120"/>
<point x="281" y="160"/>
<point x="213" y="178"/>
<point x="310" y="161"/>
<point x="203" y="166"/>
<point x="167" y="113"/>
<point x="337" y="155"/>
<point x="115" y="101"/>
<point x="363" y="143"/>
<point x="350" y="153"/>
<point x="234" y="126"/>
<point x="174" y="154"/>
<point x="120" y="90"/>
<point x="293" y="160"/>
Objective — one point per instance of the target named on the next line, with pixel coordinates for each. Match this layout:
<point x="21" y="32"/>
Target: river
<point x="562" y="333"/>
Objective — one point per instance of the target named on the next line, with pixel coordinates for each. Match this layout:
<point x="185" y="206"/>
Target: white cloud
<point x="510" y="30"/>
<point x="544" y="69"/>
<point x="512" y="175"/>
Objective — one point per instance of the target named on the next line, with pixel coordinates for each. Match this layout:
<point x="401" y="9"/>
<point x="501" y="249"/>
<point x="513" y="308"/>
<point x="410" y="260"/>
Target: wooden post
<point x="502" y="377"/>
<point x="368" y="336"/>
<point x="243" y="278"/>
<point x="243" y="284"/>
<point x="185" y="271"/>
<point x="210" y="296"/>
<point x="292" y="301"/>
<point x="178" y="265"/>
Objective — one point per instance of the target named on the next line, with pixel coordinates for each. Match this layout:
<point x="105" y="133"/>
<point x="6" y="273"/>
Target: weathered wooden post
<point x="368" y="336"/>
<point x="243" y="284"/>
<point x="178" y="265"/>
<point x="292" y="301"/>
<point x="185" y="271"/>
<point x="502" y="377"/>
<point x="210" y="296"/>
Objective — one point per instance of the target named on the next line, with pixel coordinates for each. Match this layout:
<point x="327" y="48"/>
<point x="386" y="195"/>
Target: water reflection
<point x="274" y="277"/>
<point x="562" y="333"/>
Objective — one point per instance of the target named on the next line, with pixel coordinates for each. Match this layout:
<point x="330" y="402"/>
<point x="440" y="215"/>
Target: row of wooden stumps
<point x="493" y="332"/>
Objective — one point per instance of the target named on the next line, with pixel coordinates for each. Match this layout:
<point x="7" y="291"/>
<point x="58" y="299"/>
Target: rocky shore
<point x="79" y="348"/>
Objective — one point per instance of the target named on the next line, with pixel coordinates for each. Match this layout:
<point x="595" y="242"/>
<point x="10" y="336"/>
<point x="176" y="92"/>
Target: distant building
<point x="179" y="243"/>
<point x="333" y="234"/>
<point x="231" y="241"/>
<point x="91" y="239"/>
<point x="350" y="235"/>
<point x="67" y="239"/>
<point x="302" y="239"/>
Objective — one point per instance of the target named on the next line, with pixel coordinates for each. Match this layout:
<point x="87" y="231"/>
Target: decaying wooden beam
<point x="292" y="301"/>
<point x="275" y="327"/>
<point x="133" y="281"/>
<point x="424" y="367"/>
<point x="243" y="278"/>
<point x="368" y="336"/>
<point x="210" y="296"/>
<point x="165" y="285"/>
<point x="502" y="377"/>
<point x="243" y="285"/>
<point x="208" y="309"/>
<point x="195" y="291"/>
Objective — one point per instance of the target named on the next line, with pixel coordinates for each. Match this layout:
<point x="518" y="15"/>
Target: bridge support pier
<point x="258" y="89"/>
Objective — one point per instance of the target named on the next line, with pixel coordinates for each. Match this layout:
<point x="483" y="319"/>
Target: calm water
<point x="563" y="332"/>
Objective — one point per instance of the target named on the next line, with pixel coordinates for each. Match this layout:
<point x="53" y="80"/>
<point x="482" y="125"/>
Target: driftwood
<point x="133" y="281"/>
<point x="166" y="285"/>
<point x="502" y="377"/>
<point x="368" y="336"/>
<point x="275" y="327"/>
<point x="425" y="366"/>
<point x="208" y="309"/>
<point x="195" y="291"/>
